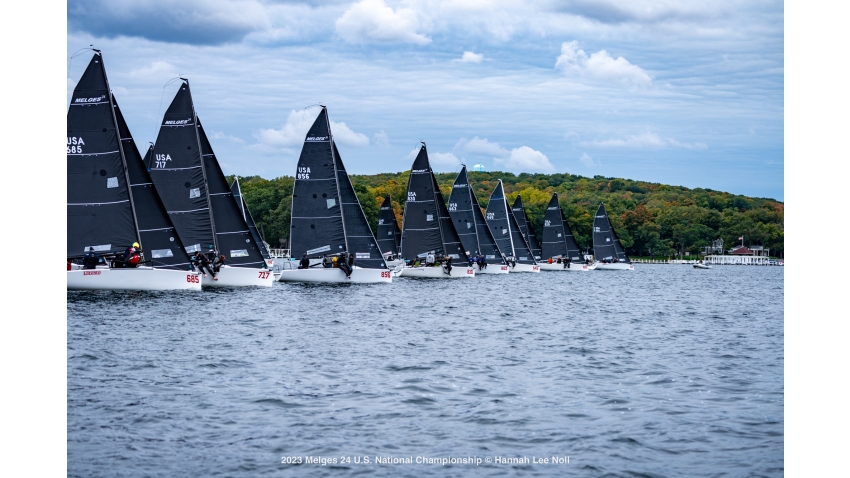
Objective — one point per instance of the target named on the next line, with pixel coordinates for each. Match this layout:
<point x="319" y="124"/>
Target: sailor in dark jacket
<point x="91" y="259"/>
<point x="305" y="262"/>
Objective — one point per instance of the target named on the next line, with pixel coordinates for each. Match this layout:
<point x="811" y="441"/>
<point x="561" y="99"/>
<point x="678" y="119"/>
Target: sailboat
<point x="505" y="229"/>
<point x="236" y="190"/>
<point x="106" y="215"/>
<point x="193" y="189"/>
<point x="471" y="228"/>
<point x="558" y="241"/>
<point x="327" y="218"/>
<point x="607" y="250"/>
<point x="389" y="235"/>
<point x="525" y="227"/>
<point x="427" y="228"/>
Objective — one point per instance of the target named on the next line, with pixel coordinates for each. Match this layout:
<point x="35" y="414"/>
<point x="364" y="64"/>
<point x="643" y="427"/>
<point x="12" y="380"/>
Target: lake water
<point x="663" y="371"/>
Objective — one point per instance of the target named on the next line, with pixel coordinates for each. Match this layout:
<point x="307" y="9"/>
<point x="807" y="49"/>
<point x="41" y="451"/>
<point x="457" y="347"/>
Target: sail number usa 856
<point x="303" y="173"/>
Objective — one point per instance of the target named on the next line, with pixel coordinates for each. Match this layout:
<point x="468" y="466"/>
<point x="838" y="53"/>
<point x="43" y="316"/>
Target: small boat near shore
<point x="700" y="265"/>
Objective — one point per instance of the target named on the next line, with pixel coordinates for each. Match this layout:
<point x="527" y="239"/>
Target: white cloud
<point x="518" y="159"/>
<point x="470" y="57"/>
<point x="373" y="21"/>
<point x="600" y="66"/>
<point x="446" y="160"/>
<point x="381" y="139"/>
<point x="586" y="160"/>
<point x="344" y="135"/>
<point x="291" y="134"/>
<point x="526" y="159"/>
<point x="226" y="137"/>
<point x="157" y="69"/>
<point x="648" y="140"/>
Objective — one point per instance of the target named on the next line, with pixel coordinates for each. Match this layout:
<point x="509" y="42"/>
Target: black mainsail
<point x="236" y="190"/>
<point x="194" y="190"/>
<point x="505" y="229"/>
<point x="326" y="215"/>
<point x="469" y="221"/>
<point x="389" y="235"/>
<point x="426" y="224"/>
<point x="573" y="250"/>
<point x="525" y="227"/>
<point x="606" y="246"/>
<point x="554" y="237"/>
<point x="100" y="204"/>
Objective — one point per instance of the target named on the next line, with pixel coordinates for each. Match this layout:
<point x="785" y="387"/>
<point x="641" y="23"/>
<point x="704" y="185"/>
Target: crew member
<point x="448" y="263"/>
<point x="91" y="259"/>
<point x="219" y="261"/>
<point x="429" y="259"/>
<point x="203" y="263"/>
<point x="345" y="262"/>
<point x="305" y="262"/>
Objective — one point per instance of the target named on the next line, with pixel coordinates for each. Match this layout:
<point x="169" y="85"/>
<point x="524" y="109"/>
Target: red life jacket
<point x="134" y="259"/>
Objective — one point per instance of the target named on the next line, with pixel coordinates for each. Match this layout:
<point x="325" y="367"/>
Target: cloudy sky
<point x="678" y="92"/>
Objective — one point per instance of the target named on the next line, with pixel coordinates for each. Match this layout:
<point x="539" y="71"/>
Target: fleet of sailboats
<point x="176" y="202"/>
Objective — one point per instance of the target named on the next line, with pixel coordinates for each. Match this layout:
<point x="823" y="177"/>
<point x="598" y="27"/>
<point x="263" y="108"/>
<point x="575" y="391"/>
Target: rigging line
<point x="160" y="101"/>
<point x="78" y="53"/>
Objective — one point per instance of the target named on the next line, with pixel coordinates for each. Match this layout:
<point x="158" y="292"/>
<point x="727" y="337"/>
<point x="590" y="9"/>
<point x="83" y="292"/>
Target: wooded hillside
<point x="649" y="218"/>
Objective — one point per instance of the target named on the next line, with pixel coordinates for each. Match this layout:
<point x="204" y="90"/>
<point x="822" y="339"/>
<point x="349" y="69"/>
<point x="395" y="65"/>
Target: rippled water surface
<point x="664" y="371"/>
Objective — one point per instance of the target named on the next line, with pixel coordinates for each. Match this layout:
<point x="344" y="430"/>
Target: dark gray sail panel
<point x="389" y="235"/>
<point x="606" y="246"/>
<point x="497" y="221"/>
<point x="489" y="249"/>
<point x="521" y="248"/>
<point x="451" y="242"/>
<point x="573" y="250"/>
<point x="420" y="230"/>
<point x="460" y="209"/>
<point x="317" y="227"/>
<point x="99" y="209"/>
<point x="176" y="170"/>
<point x="159" y="239"/>
<point x="554" y="238"/>
<point x="525" y="227"/>
<point x="252" y="226"/>
<point x="361" y="242"/>
<point x="234" y="239"/>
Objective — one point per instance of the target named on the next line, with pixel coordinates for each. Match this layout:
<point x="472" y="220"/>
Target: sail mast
<point x="436" y="191"/>
<point x="121" y="152"/>
<point x="508" y="211"/>
<point x="203" y="172"/>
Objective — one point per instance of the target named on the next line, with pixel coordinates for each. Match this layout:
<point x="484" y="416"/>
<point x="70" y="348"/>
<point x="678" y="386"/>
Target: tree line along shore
<point x="650" y="219"/>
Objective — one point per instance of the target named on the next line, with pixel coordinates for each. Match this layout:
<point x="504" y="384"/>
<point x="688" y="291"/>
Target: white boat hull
<point x="492" y="269"/>
<point x="434" y="272"/>
<point x="572" y="267"/>
<point x="239" y="277"/>
<point x="701" y="266"/>
<point x="617" y="266"/>
<point x="321" y="274"/>
<point x="139" y="278"/>
<point x="525" y="268"/>
<point x="394" y="264"/>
